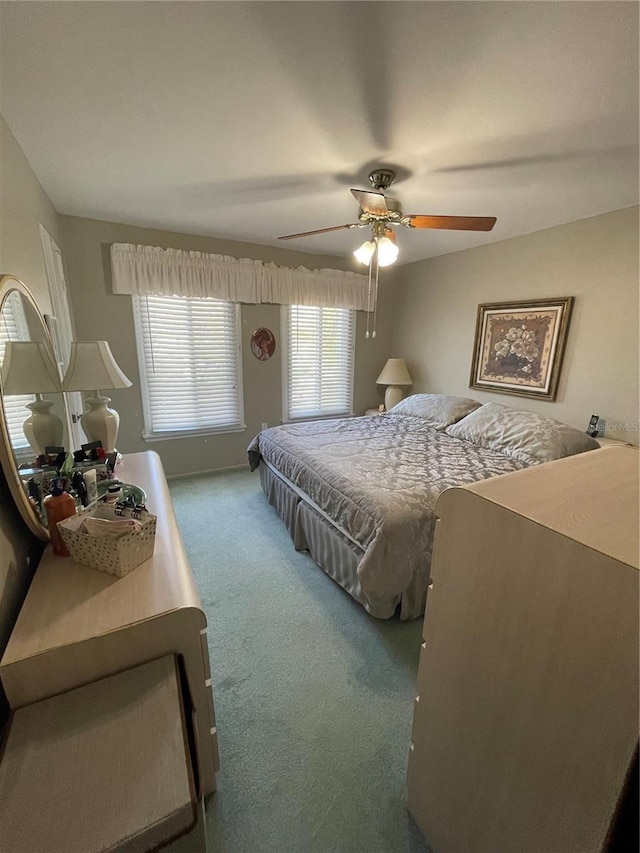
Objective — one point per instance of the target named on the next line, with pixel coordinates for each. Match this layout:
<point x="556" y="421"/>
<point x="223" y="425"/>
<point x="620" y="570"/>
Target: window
<point x="319" y="361"/>
<point x="190" y="365"/>
<point x="14" y="328"/>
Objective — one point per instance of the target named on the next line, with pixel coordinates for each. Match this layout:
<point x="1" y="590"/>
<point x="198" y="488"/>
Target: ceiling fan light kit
<point x="383" y="243"/>
<point x="381" y="212"/>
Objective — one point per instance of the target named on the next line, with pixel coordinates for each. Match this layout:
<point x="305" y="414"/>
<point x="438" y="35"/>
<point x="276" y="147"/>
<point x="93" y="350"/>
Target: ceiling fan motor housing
<point x="381" y="179"/>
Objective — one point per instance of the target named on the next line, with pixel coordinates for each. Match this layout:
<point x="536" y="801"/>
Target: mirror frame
<point x="8" y="284"/>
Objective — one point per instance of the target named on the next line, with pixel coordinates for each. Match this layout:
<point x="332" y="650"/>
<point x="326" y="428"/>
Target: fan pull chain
<point x="368" y="305"/>
<point x="375" y="298"/>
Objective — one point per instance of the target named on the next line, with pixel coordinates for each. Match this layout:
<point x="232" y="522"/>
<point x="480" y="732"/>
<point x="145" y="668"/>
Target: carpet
<point x="314" y="697"/>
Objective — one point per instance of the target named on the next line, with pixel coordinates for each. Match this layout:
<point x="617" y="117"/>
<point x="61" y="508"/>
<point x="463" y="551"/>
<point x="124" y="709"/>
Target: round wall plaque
<point x="263" y="344"/>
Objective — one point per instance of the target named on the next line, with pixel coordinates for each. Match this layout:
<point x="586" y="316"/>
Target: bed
<point x="359" y="493"/>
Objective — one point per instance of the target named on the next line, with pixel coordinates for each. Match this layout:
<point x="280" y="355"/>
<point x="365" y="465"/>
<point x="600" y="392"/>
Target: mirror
<point x="32" y="406"/>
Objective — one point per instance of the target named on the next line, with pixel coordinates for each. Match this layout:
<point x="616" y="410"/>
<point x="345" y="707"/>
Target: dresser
<point x="525" y="724"/>
<point x="78" y="625"/>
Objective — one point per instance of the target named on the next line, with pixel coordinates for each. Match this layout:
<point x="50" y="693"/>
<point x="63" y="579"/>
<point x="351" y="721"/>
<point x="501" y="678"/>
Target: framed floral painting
<point x="519" y="346"/>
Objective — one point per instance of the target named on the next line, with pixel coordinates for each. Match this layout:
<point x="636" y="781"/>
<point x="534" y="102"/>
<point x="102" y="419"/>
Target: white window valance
<point x="151" y="270"/>
<point x="321" y="288"/>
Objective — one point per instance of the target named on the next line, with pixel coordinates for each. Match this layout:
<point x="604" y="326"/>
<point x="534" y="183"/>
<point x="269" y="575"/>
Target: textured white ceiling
<point x="248" y="120"/>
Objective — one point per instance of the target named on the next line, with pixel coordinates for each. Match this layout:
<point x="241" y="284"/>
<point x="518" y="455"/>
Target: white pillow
<point x="522" y="435"/>
<point x="438" y="410"/>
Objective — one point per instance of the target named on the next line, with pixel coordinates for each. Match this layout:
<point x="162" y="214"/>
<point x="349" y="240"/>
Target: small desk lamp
<point x="394" y="375"/>
<point x="92" y="365"/>
<point x="28" y="368"/>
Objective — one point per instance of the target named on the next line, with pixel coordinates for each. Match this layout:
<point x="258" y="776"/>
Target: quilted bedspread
<point x="378" y="479"/>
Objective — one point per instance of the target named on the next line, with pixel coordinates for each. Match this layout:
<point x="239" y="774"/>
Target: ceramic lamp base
<point x="42" y="429"/>
<point x="392" y="395"/>
<point x="101" y="423"/>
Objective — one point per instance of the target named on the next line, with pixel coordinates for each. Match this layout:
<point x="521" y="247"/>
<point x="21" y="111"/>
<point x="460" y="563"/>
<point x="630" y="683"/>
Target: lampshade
<point x="28" y="368"/>
<point x="394" y="375"/>
<point x="93" y="366"/>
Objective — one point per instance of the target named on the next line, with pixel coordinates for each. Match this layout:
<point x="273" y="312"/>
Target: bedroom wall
<point x="23" y="205"/>
<point x="595" y="260"/>
<point x="101" y="315"/>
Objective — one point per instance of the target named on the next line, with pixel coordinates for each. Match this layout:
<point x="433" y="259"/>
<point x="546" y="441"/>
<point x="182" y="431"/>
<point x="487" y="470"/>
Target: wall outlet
<point x="264" y="425"/>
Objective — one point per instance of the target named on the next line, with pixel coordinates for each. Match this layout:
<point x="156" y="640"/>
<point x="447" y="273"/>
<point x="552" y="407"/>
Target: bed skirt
<point x="334" y="552"/>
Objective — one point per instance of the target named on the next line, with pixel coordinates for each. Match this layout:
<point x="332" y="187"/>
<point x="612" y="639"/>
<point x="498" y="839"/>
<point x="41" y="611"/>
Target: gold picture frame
<point x="519" y="346"/>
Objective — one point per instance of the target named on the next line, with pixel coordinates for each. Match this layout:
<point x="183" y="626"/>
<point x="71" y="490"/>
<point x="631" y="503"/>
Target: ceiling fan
<point x="381" y="212"/>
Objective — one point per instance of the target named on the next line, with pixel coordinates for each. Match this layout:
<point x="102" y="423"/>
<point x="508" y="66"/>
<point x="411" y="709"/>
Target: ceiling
<point x="249" y="120"/>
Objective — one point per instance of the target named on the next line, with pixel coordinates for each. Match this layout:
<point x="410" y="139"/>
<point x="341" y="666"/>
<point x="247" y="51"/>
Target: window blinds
<point x="189" y="357"/>
<point x="319" y="362"/>
<point x="14" y="328"/>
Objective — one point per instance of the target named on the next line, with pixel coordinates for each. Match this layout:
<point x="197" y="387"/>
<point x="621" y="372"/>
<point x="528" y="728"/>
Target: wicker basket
<point x="116" y="556"/>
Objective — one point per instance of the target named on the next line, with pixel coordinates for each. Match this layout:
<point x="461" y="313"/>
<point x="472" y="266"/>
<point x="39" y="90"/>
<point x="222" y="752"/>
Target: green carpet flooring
<point x="313" y="696"/>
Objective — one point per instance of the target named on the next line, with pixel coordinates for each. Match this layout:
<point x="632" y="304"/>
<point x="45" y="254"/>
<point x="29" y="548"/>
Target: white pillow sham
<point x="522" y="435"/>
<point x="438" y="410"/>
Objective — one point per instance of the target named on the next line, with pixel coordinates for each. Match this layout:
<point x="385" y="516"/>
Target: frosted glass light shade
<point x="387" y="251"/>
<point x="365" y="252"/>
<point x="385" y="246"/>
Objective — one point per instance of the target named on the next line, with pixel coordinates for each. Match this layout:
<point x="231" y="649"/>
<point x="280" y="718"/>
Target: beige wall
<point x="23" y="206"/>
<point x="101" y="315"/>
<point x="595" y="260"/>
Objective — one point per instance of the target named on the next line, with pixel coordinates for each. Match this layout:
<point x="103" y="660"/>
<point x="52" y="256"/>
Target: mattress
<point x="377" y="480"/>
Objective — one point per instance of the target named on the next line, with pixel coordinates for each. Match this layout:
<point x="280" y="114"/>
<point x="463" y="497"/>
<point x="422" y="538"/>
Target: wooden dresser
<point x="78" y="625"/>
<point x="525" y="726"/>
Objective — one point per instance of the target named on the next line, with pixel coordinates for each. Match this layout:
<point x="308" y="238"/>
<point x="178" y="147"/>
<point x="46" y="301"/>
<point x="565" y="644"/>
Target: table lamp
<point x="92" y="366"/>
<point x="29" y="368"/>
<point x="394" y="375"/>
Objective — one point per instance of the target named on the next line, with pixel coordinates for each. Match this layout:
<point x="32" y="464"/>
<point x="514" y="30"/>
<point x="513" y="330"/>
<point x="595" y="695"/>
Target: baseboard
<point x="243" y="467"/>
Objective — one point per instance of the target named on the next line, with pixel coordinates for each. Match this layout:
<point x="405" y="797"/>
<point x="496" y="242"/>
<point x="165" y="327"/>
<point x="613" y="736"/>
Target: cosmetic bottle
<point x="80" y="488"/>
<point x="35" y="498"/>
<point x="91" y="482"/>
<point x="58" y="506"/>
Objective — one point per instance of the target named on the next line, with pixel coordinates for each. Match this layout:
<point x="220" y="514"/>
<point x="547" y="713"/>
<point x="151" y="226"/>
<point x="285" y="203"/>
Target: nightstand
<point x="371" y="412"/>
<point x="605" y="441"/>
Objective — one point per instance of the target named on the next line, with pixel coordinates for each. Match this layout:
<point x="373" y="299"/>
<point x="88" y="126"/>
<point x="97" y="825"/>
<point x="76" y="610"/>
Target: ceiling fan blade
<point x="374" y="203"/>
<point x="322" y="230"/>
<point x="456" y="223"/>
